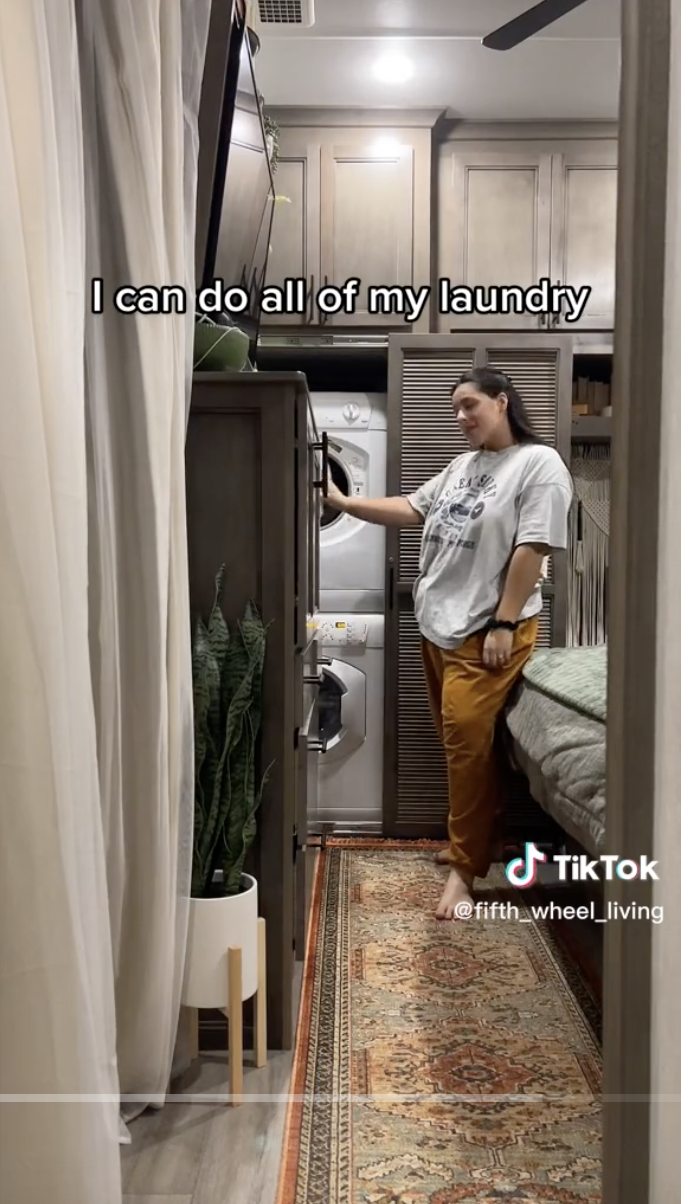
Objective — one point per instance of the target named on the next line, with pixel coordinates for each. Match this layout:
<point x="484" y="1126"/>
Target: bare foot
<point x="456" y="899"/>
<point x="442" y="857"/>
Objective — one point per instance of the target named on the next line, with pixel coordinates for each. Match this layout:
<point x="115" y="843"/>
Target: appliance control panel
<point x="337" y="411"/>
<point x="336" y="631"/>
<point x="351" y="413"/>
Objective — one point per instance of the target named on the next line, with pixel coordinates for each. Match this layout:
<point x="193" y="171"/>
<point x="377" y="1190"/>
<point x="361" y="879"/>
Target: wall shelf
<point x="591" y="430"/>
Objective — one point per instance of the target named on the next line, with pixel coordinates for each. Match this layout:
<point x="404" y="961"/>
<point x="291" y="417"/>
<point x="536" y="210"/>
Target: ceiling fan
<point x="529" y="23"/>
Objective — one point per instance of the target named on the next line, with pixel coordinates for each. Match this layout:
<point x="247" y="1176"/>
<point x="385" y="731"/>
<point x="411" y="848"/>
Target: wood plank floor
<point x="209" y="1153"/>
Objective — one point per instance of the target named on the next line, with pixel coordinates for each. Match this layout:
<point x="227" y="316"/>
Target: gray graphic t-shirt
<point x="476" y="512"/>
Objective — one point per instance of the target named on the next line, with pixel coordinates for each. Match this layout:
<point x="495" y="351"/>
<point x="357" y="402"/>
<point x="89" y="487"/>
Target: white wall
<point x="666" y="969"/>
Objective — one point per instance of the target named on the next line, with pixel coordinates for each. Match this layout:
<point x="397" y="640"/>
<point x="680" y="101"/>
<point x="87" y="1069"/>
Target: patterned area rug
<point x="437" y="1063"/>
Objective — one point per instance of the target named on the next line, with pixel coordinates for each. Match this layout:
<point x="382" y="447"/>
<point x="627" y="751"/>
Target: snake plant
<point x="227" y="670"/>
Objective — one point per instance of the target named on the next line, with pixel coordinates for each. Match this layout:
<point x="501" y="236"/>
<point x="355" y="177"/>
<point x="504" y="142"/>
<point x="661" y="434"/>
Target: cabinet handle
<point x="312" y="299"/>
<point x="391" y="584"/>
<point x="555" y="318"/>
<point x="323" y="484"/>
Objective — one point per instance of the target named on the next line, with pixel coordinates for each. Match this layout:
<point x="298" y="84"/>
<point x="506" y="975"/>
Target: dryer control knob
<point x="351" y="412"/>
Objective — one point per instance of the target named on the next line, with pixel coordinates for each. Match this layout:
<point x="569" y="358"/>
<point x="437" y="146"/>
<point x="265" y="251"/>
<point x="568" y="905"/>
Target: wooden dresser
<point x="254" y="504"/>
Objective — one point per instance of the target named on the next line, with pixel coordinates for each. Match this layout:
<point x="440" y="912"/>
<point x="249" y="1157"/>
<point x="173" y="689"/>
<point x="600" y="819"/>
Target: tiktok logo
<point x="522" y="871"/>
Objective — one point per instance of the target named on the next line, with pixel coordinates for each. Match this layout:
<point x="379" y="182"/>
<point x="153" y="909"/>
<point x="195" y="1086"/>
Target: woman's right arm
<point x="384" y="512"/>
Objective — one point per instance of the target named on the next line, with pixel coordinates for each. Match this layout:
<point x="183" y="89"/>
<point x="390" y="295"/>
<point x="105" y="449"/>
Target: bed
<point x="557" y="727"/>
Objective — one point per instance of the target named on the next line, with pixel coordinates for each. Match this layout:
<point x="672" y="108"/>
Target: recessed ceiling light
<point x="393" y="69"/>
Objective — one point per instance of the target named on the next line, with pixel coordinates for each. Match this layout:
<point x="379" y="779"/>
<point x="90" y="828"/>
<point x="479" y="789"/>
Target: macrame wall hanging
<point x="588" y="546"/>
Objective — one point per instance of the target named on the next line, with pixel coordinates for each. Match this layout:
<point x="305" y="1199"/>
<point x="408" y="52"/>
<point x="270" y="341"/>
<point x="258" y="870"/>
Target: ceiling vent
<point x="275" y="13"/>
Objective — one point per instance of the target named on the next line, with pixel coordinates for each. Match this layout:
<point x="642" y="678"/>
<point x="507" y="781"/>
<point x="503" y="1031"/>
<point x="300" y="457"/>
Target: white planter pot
<point x="215" y="926"/>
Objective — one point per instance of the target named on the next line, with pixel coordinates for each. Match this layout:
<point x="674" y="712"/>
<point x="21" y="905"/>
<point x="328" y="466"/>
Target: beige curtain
<point x="58" y="1080"/>
<point x="98" y="149"/>
<point x="142" y="66"/>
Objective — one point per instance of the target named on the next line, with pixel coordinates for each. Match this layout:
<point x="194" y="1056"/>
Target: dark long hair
<point x="493" y="382"/>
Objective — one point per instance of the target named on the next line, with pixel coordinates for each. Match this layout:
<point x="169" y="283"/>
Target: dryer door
<point x="342" y="710"/>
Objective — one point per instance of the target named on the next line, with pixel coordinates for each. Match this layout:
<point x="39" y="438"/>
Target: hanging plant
<point x="272" y="136"/>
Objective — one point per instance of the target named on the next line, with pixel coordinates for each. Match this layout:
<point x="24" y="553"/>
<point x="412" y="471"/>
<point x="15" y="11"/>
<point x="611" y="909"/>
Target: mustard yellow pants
<point x="467" y="699"/>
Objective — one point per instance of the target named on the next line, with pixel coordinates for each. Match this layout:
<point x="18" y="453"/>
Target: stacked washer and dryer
<point x="351" y="619"/>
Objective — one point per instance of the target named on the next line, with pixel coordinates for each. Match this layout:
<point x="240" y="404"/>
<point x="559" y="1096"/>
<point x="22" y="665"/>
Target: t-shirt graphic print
<point x="453" y="517"/>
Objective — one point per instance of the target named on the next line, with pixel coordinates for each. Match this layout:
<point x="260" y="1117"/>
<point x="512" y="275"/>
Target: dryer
<point x="350" y="784"/>
<point x="352" y="552"/>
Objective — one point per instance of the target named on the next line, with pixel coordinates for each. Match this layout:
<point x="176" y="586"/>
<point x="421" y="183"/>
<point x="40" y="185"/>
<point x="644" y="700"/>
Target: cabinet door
<point x="367" y="224"/>
<point x="495" y="228"/>
<point x="294" y="241"/>
<point x="584" y="230"/>
<point x="307" y="781"/>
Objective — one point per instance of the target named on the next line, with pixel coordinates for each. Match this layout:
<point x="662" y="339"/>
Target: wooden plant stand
<point x="235" y="1012"/>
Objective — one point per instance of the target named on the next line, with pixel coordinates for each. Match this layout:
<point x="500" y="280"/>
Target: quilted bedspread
<point x="557" y="721"/>
<point x="577" y="677"/>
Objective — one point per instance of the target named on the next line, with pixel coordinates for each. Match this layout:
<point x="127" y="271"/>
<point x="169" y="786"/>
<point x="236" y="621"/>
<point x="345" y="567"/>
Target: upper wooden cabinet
<point x="295" y="246"/>
<point x="584" y="228"/>
<point x="517" y="213"/>
<point x="357" y="206"/>
<point x="495" y="225"/>
<point x="367" y="223"/>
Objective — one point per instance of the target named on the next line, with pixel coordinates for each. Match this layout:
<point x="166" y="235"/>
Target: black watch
<point x="502" y="625"/>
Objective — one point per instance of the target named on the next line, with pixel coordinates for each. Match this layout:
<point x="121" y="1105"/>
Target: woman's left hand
<point x="497" y="648"/>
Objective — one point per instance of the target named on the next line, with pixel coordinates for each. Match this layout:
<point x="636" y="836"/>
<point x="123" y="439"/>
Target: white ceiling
<point x="571" y="71"/>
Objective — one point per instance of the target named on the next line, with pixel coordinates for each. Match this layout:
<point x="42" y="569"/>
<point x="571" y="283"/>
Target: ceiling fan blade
<point x="529" y="23"/>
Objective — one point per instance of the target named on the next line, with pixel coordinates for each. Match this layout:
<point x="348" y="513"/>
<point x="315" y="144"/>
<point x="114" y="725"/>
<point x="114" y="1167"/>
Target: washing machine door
<point x="339" y="474"/>
<point x="349" y="470"/>
<point x="342" y="710"/>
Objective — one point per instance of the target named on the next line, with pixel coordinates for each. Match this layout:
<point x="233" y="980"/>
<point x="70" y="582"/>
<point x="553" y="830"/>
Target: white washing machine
<point x="350" y="792"/>
<point x="352" y="552"/>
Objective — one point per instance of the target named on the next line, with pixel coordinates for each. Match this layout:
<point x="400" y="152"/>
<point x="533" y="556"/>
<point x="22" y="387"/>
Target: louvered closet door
<point x="423" y="437"/>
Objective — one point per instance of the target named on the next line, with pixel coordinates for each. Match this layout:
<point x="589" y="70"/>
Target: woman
<point x="489" y="519"/>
